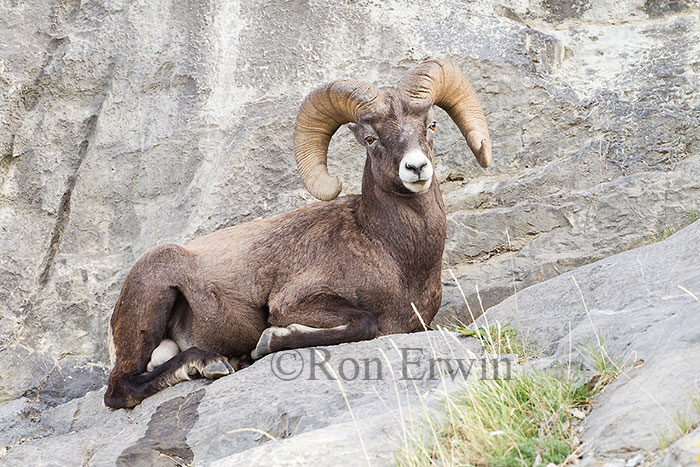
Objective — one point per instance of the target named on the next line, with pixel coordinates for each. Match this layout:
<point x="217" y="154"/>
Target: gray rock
<point x="635" y="461"/>
<point x="388" y="383"/>
<point x="543" y="241"/>
<point x="640" y="305"/>
<point x="685" y="451"/>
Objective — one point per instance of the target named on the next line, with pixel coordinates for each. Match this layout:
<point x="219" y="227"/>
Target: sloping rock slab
<point x="643" y="304"/>
<point x="287" y="394"/>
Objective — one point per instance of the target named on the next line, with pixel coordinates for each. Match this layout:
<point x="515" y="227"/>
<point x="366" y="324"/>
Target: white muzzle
<point x="416" y="171"/>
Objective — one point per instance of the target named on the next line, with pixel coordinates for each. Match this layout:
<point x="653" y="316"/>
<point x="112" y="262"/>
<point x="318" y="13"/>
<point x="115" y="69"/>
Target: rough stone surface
<point x="644" y="305"/>
<point x="125" y="124"/>
<point x="230" y="419"/>
<point x="685" y="451"/>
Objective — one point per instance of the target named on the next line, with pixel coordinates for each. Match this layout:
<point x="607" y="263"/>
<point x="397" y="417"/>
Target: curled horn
<point x="444" y="84"/>
<point x="323" y="111"/>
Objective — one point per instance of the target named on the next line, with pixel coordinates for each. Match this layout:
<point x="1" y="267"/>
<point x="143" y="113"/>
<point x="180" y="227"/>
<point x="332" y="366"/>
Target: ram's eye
<point x="370" y="140"/>
<point x="432" y="125"/>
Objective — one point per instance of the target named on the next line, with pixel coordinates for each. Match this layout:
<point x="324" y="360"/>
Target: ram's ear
<point x="356" y="130"/>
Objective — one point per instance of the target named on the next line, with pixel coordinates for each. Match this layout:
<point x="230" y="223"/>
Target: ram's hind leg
<point x="139" y="325"/>
<point x="189" y="364"/>
<point x="320" y="320"/>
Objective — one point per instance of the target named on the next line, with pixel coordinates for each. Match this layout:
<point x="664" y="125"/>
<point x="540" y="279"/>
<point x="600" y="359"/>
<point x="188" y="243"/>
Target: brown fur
<point x="357" y="262"/>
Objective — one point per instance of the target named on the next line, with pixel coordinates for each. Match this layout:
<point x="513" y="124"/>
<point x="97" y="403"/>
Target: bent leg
<point x="129" y="390"/>
<point x="320" y="320"/>
<point x="139" y="325"/>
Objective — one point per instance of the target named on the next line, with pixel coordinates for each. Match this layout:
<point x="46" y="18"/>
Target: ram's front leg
<point x="320" y="320"/>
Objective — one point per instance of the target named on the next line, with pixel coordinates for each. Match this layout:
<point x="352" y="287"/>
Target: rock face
<point x="127" y="124"/>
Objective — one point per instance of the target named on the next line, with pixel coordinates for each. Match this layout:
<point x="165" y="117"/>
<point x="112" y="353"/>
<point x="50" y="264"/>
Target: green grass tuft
<point x="500" y="339"/>
<point x="508" y="423"/>
<point x="667" y="232"/>
<point x="532" y="419"/>
<point x="607" y="367"/>
<point x="683" y="423"/>
<point x="550" y="451"/>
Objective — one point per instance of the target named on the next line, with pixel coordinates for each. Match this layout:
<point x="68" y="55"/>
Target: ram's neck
<point x="411" y="228"/>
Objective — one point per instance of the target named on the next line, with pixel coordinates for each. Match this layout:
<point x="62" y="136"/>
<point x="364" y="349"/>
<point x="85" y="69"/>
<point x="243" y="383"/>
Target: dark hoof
<point x="264" y="345"/>
<point x="217" y="370"/>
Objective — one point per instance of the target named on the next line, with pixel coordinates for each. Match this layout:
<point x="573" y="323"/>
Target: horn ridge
<point x="442" y="82"/>
<point x="322" y="112"/>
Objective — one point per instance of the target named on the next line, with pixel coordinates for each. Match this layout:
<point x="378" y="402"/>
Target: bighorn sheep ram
<point x="340" y="271"/>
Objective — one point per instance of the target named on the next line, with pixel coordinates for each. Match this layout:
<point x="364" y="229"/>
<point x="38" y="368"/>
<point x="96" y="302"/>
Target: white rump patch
<point x="416" y="171"/>
<point x="166" y="350"/>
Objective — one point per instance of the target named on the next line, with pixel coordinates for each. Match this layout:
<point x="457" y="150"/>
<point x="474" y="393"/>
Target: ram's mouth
<point x="418" y="186"/>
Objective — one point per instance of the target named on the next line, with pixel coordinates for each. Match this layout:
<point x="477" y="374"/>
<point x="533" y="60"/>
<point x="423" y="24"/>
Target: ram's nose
<point x="416" y="168"/>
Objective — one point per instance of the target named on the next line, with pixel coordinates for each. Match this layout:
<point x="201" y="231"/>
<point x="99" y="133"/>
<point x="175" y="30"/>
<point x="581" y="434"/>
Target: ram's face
<point x="399" y="145"/>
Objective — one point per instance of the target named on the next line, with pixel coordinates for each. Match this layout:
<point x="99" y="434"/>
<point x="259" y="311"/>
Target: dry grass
<point x="667" y="232"/>
<point x="499" y="339"/>
<point x="532" y="419"/>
